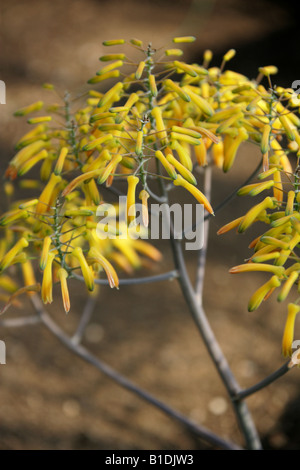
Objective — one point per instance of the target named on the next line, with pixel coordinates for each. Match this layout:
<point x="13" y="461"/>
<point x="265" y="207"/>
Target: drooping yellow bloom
<point x="28" y="275"/>
<point x="85" y="268"/>
<point x="107" y="266"/>
<point x="77" y="181"/>
<point x="287" y="286"/>
<point x="109" y="169"/>
<point x="195" y="192"/>
<point x="167" y="166"/>
<point x="254" y="212"/>
<point x="178" y="90"/>
<point x="47" y="283"/>
<point x="181" y="169"/>
<point x="130" y="204"/>
<point x="262" y="292"/>
<point x="288" y="334"/>
<point x="45" y="252"/>
<point x="12" y="253"/>
<point x="45" y="197"/>
<point x="62" y="276"/>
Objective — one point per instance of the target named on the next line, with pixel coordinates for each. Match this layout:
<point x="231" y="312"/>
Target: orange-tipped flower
<point x="62" y="276"/>
<point x="253" y="213"/>
<point x="248" y="267"/>
<point x="288" y="334"/>
<point x="47" y="283"/>
<point x="7" y="260"/>
<point x="107" y="266"/>
<point x="85" y="268"/>
<point x="195" y="192"/>
<point x="262" y="292"/>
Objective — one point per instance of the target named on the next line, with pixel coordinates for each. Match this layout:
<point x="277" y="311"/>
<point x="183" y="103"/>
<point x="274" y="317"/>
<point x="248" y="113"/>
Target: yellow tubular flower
<point x="136" y="42"/>
<point x="230" y="150"/>
<point x="130" y="205"/>
<point x="152" y="85"/>
<point x="28" y="275"/>
<point x="288" y="334"/>
<point x="113" y="42"/>
<point x="46" y="195"/>
<point x="181" y="39"/>
<point x="249" y="267"/>
<point x="32" y="162"/>
<point x="255" y="188"/>
<point x="145" y="214"/>
<point x="139" y="70"/>
<point x="182" y="170"/>
<point x="45" y="252"/>
<point x="184" y="155"/>
<point x="254" y="212"/>
<point x="265" y="138"/>
<point x="109" y="169"/>
<point x="160" y="127"/>
<point x="290" y="203"/>
<point x="107" y="266"/>
<point x="61" y="160"/>
<point x="287" y="286"/>
<point x="85" y="176"/>
<point x="47" y="281"/>
<point x="201" y="153"/>
<point x="277" y="188"/>
<point x="62" y="276"/>
<point x="202" y="104"/>
<point x="104" y="76"/>
<point x="108" y="57"/>
<point x="262" y="292"/>
<point x="195" y="192"/>
<point x="110" y="67"/>
<point x="229" y="55"/>
<point x="139" y="143"/>
<point x="178" y="90"/>
<point x="8" y="284"/>
<point x="12" y="253"/>
<point x="10" y="217"/>
<point x="233" y="224"/>
<point x="85" y="268"/>
<point x="109" y="95"/>
<point x="167" y="166"/>
<point x="29" y="109"/>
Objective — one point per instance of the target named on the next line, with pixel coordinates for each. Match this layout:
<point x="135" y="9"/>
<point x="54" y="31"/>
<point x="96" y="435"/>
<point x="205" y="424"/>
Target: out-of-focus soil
<point x="50" y="399"/>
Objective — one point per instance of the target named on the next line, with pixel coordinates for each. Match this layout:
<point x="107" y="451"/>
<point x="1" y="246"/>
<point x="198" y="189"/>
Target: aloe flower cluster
<point x="157" y="119"/>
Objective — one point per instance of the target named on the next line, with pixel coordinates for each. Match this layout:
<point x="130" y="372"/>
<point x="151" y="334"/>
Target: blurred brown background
<point x="49" y="399"/>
